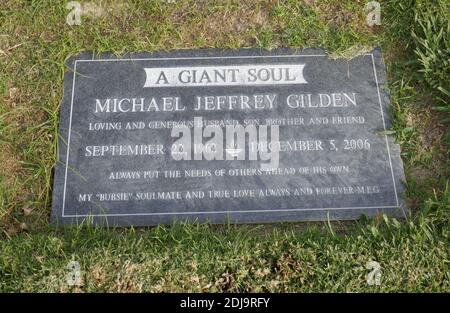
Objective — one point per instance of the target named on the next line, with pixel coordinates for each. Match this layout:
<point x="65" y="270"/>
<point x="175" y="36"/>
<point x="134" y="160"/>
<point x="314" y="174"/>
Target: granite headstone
<point x="149" y="138"/>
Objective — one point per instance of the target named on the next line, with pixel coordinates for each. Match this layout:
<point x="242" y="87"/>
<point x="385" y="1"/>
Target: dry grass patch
<point x="234" y="23"/>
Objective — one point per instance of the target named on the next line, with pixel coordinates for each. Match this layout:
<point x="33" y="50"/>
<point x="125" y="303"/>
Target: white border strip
<point x="202" y="58"/>
<point x="225" y="212"/>
<point x="384" y="126"/>
<point x="222" y="212"/>
<point x="68" y="137"/>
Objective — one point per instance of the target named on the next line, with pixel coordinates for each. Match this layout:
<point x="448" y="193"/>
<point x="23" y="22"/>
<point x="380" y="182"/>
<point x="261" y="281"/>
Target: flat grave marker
<point x="225" y="136"/>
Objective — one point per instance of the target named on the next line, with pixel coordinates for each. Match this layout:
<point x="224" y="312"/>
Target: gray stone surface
<point x="351" y="168"/>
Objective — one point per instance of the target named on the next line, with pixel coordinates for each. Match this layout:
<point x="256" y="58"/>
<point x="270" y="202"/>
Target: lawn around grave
<point x="414" y="253"/>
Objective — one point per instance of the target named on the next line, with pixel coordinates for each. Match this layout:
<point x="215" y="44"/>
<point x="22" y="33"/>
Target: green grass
<point x="432" y="37"/>
<point x="231" y="258"/>
<point x="35" y="41"/>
